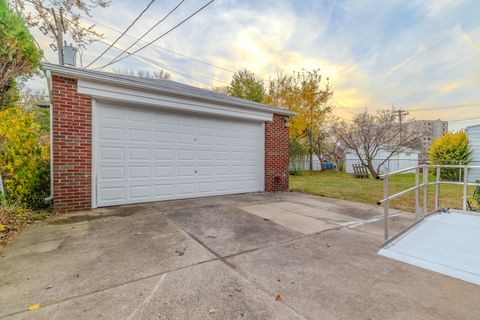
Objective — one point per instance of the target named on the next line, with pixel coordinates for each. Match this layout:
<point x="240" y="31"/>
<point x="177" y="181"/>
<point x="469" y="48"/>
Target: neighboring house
<point x="399" y="161"/>
<point x="120" y="139"/>
<point x="431" y="130"/>
<point x="473" y="133"/>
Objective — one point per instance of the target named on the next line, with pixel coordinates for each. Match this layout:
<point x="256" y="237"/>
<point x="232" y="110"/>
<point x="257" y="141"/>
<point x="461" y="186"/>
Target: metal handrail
<point x="421" y="212"/>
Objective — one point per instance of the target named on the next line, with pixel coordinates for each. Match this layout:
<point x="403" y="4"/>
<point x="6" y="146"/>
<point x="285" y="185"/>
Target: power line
<point x="148" y="31"/>
<point x="154" y="62"/>
<point x="162" y="48"/>
<point x="164" y="34"/>
<point x="123" y="33"/>
<point x="466" y="119"/>
<point x="445" y="107"/>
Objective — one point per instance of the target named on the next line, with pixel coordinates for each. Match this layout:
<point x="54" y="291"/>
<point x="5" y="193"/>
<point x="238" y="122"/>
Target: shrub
<point x="451" y="148"/>
<point x="19" y="56"/>
<point x="24" y="159"/>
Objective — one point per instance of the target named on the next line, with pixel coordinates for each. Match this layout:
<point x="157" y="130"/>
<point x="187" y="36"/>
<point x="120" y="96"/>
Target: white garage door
<point x="148" y="155"/>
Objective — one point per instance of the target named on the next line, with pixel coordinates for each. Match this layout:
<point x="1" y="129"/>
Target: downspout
<point x="48" y="76"/>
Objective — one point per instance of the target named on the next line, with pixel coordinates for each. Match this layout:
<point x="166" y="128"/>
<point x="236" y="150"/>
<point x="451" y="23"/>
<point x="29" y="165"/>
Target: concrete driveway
<point x="251" y="256"/>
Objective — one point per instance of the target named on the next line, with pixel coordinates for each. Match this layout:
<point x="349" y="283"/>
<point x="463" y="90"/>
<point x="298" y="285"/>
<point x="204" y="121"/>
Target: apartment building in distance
<point x="432" y="129"/>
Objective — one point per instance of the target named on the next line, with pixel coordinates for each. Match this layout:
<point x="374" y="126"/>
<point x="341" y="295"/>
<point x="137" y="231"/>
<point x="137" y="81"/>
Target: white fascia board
<point x="106" y="92"/>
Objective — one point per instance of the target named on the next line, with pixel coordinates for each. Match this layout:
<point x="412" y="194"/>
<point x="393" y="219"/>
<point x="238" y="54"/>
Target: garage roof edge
<point x="162" y="86"/>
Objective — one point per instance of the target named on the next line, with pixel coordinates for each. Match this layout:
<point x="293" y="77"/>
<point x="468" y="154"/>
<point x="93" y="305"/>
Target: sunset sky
<point x="422" y="56"/>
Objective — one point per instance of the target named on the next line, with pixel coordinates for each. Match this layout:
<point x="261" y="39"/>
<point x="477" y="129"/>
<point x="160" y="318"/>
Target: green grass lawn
<point x="344" y="186"/>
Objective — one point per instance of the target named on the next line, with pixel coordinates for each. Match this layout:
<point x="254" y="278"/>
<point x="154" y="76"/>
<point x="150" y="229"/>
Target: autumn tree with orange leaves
<point x="308" y="94"/>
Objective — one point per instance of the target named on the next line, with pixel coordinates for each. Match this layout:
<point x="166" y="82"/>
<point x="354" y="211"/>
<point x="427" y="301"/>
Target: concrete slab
<point x="111" y="263"/>
<point x="323" y="214"/>
<point x="349" y="208"/>
<point x="338" y="275"/>
<point x="55" y="261"/>
<point x="229" y="230"/>
<point x="289" y="220"/>
<point x="206" y="291"/>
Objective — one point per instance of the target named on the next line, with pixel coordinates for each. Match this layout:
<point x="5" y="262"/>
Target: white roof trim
<point x="99" y="77"/>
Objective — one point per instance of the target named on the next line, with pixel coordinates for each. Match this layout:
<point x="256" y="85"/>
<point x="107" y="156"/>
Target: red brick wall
<point x="276" y="154"/>
<point x="72" y="146"/>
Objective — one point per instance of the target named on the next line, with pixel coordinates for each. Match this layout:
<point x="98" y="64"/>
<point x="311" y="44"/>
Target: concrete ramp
<point x="447" y="243"/>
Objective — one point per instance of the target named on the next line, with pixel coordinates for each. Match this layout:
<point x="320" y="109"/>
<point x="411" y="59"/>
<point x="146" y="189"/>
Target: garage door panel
<point x="112" y="153"/>
<point x="112" y="133"/>
<point x="111" y="112"/>
<point x="139" y="115"/>
<point x="138" y="153"/>
<point x="164" y="154"/>
<point x="139" y="192"/>
<point x="165" y="171"/>
<point x="139" y="136"/>
<point x="150" y="155"/>
<point x="186" y="170"/>
<point x="138" y="172"/>
<point x="163" y="137"/>
<point x="187" y="188"/>
<point x="112" y="172"/>
<point x="112" y="193"/>
<point x="185" y="154"/>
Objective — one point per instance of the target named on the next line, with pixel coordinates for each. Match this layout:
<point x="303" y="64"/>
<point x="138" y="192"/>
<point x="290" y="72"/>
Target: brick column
<point x="72" y="146"/>
<point x="276" y="154"/>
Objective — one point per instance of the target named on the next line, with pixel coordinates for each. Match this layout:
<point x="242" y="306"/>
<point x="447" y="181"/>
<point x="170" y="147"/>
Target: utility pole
<point x="400" y="113"/>
<point x="59" y="27"/>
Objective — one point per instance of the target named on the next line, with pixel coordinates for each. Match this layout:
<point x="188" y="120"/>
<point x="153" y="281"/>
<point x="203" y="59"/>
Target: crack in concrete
<point x="232" y="267"/>
<point x="110" y="287"/>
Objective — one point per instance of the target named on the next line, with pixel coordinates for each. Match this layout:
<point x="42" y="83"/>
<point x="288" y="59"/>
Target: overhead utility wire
<point x="154" y="62"/>
<point x="123" y="33"/>
<point x="148" y="31"/>
<point x="162" y="48"/>
<point x="444" y="107"/>
<point x="162" y="35"/>
<point x="155" y="45"/>
<point x="466" y="119"/>
<point x="184" y="74"/>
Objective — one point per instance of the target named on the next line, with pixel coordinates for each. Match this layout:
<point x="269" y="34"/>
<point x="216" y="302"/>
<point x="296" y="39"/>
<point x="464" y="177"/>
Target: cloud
<point x="401" y="64"/>
<point x="451" y="86"/>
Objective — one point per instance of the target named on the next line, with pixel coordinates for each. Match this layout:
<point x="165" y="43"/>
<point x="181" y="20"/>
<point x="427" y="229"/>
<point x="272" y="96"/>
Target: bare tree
<point x="337" y="153"/>
<point x="321" y="143"/>
<point x="369" y="134"/>
<point x="156" y="74"/>
<point x="29" y="97"/>
<point x="45" y="13"/>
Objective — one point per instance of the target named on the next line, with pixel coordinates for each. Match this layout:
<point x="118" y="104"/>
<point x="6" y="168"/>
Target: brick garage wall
<point x="276" y="154"/>
<point x="72" y="146"/>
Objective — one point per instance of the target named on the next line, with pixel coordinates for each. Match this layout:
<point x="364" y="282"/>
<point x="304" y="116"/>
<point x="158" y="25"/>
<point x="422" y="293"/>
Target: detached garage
<point x="119" y="139"/>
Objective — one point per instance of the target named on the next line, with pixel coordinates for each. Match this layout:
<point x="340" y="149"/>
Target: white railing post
<point x="437" y="188"/>
<point x="425" y="189"/>
<point x="417" y="191"/>
<point x="385" y="208"/>
<point x="465" y="187"/>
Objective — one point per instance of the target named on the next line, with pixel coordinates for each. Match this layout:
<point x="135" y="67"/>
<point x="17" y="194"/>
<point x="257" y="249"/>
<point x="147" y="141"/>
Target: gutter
<point x="87" y="74"/>
<point x="48" y="76"/>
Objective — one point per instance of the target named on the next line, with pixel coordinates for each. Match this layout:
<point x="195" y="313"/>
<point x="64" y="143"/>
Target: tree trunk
<point x="310" y="160"/>
<point x="310" y="149"/>
<point x="371" y="168"/>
